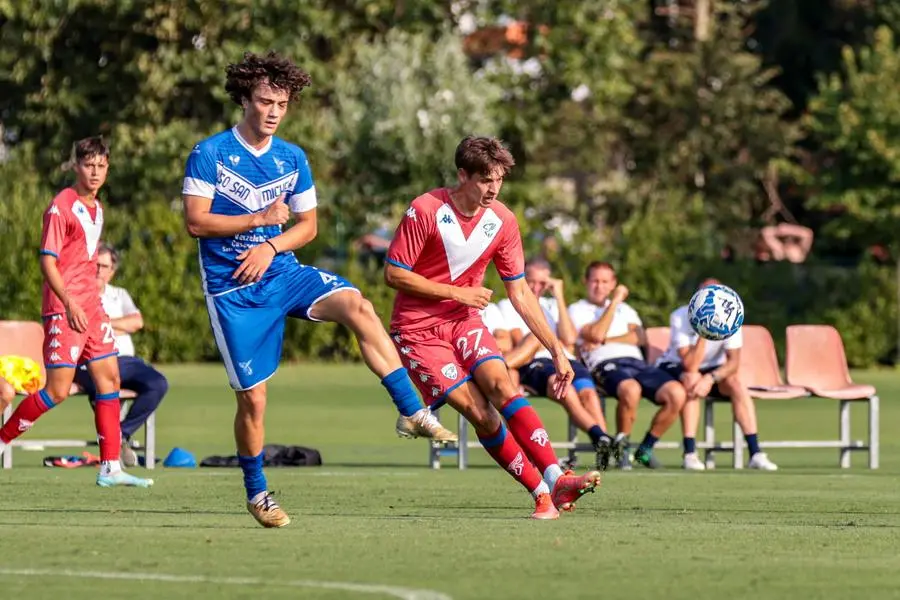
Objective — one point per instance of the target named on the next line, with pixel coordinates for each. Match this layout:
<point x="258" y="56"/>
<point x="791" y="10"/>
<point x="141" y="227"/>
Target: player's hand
<point x="477" y="297"/>
<point x="254" y="263"/>
<point x="277" y="213"/>
<point x="76" y="317"/>
<point x="620" y="293"/>
<point x="564" y="376"/>
<point x="555" y="287"/>
<point x="703" y="387"/>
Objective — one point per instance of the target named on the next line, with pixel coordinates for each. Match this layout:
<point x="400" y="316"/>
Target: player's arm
<point x="565" y="328"/>
<point x="202" y="223"/>
<point x="131" y="320"/>
<point x="74" y="313"/>
<point x="526" y="304"/>
<point x="635" y="336"/>
<point x="595" y="333"/>
<point x="406" y="281"/>
<point x="522" y="353"/>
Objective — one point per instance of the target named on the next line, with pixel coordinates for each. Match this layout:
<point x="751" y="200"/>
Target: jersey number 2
<point x="463" y="343"/>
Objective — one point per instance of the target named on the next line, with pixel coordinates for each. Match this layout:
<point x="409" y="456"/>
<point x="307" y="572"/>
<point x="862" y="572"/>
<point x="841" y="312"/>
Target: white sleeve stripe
<point x="198" y="187"/>
<point x="304" y="201"/>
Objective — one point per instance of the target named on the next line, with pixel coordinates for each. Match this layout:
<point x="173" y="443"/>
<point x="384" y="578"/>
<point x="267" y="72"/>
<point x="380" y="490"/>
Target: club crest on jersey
<point x="74" y="352"/>
<point x="609" y="366"/>
<point x="490" y="229"/>
<point x="449" y="371"/>
<point x="235" y="159"/>
<point x="279" y="164"/>
<point x="539" y="436"/>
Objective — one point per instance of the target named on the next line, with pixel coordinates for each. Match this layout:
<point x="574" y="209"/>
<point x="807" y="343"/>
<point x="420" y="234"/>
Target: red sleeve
<point x="53" y="236"/>
<point x="510" y="257"/>
<point x="410" y="237"/>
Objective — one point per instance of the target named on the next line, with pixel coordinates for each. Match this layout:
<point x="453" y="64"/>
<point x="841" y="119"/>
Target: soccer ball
<point x="716" y="312"/>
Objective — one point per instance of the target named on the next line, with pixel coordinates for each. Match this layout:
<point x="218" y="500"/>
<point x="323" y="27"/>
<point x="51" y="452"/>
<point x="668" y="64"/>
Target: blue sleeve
<point x="200" y="172"/>
<point x="303" y="196"/>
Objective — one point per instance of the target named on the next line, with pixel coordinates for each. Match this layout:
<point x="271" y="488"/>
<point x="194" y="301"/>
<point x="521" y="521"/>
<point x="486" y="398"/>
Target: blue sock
<point x="595" y="433"/>
<point x="254" y="480"/>
<point x="752" y="443"/>
<point x="402" y="392"/>
<point x="690" y="445"/>
<point x="649" y="441"/>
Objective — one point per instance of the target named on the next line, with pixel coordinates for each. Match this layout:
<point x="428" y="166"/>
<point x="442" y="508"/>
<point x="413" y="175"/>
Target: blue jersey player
<point x="240" y="187"/>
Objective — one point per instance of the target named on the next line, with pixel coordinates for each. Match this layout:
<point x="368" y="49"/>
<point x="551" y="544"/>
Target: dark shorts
<point x="676" y="369"/>
<point x="609" y="374"/>
<point x="535" y="376"/>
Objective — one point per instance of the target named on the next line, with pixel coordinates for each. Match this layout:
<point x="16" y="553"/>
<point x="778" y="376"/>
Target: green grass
<point x="375" y="515"/>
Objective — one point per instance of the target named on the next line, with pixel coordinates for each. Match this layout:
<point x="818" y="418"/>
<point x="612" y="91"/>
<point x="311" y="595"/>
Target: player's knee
<point x="672" y="395"/>
<point x="500" y="389"/>
<point x="252" y="403"/>
<point x="483" y="418"/>
<point x="158" y="385"/>
<point x="7" y="393"/>
<point x="629" y="392"/>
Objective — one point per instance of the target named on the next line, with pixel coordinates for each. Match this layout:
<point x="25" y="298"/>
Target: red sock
<point x="25" y="415"/>
<point x="509" y="455"/>
<point x="106" y="420"/>
<point x="526" y="426"/>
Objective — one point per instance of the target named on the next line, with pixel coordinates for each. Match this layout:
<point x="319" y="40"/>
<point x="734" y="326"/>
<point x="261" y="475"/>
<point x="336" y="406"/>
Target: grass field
<point x="375" y="522"/>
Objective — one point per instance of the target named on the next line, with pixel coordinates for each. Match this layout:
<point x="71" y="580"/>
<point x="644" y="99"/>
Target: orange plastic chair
<point x="759" y="367"/>
<point x="816" y="361"/>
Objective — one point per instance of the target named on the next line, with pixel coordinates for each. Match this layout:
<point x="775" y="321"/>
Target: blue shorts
<point x="676" y="369"/>
<point x="248" y="323"/>
<point x="535" y="376"/>
<point x="609" y="374"/>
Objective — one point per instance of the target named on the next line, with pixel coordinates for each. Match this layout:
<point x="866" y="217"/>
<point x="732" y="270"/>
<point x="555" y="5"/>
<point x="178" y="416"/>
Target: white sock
<point x="551" y="474"/>
<point x="108" y="467"/>
<point x="419" y="415"/>
<point x="540" y="489"/>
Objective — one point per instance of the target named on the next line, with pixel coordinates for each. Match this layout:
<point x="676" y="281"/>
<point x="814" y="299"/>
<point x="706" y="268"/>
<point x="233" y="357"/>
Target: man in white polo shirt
<point x="610" y="334"/>
<point x="535" y="366"/>
<point x="710" y="368"/>
<point x="136" y="375"/>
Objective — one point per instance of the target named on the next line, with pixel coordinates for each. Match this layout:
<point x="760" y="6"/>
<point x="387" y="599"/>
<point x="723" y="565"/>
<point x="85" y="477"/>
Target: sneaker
<point x="127" y="455"/>
<point x="645" y="457"/>
<point x="692" y="462"/>
<point x="623" y="455"/>
<point x="424" y="424"/>
<point x="605" y="449"/>
<point x="544" y="509"/>
<point x="761" y="461"/>
<point x="568" y="464"/>
<point x="122" y="478"/>
<point x="570" y="487"/>
<point x="266" y="511"/>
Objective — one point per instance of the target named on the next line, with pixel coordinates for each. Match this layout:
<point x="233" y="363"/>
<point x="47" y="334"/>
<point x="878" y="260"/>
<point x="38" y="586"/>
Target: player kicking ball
<point x="77" y="330"/>
<point x="240" y="187"/>
<point x="436" y="262"/>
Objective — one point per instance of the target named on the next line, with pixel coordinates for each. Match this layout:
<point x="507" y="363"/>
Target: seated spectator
<point x="7" y="393"/>
<point x="534" y="363"/>
<point x="785" y="241"/>
<point x="135" y="374"/>
<point x="610" y="334"/>
<point x="709" y="368"/>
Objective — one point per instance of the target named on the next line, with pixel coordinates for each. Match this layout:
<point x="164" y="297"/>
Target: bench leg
<point x="150" y="441"/>
<point x="709" y="433"/>
<point x="7" y="454"/>
<point x="573" y="437"/>
<point x="874" y="410"/>
<point x="844" y="433"/>
<point x="737" y="459"/>
<point x="462" y="457"/>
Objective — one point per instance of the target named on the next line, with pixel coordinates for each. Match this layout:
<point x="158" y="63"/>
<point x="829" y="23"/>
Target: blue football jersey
<point x="242" y="179"/>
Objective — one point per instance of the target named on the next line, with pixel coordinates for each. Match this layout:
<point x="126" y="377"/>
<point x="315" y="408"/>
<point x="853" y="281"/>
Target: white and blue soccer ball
<point x="716" y="312"/>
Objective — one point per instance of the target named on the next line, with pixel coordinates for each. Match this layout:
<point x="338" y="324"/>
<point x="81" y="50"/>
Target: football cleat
<point x="266" y="511"/>
<point x="605" y="450"/>
<point x="121" y="478"/>
<point x="424" y="424"/>
<point x="570" y="487"/>
<point x="692" y="462"/>
<point x="544" y="509"/>
<point x="644" y="456"/>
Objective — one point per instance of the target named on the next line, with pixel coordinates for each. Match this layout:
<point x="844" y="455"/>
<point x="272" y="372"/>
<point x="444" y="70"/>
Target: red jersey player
<point x="436" y="262"/>
<point x="77" y="331"/>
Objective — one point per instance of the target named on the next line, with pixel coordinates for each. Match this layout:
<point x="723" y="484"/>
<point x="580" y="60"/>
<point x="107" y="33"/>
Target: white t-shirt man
<point x="683" y="336"/>
<point x="515" y="321"/>
<point x="117" y="303"/>
<point x="585" y="312"/>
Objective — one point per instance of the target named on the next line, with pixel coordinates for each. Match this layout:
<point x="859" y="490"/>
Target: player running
<point x="240" y="187"/>
<point x="76" y="328"/>
<point x="437" y="262"/>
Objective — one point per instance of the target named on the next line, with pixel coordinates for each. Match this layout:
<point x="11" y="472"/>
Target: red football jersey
<point x="437" y="242"/>
<point x="71" y="233"/>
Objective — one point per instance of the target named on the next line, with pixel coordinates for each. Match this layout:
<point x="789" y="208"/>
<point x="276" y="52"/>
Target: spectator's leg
<point x="7" y="393"/>
<point x="149" y="384"/>
<point x="628" y="394"/>
<point x="84" y="381"/>
<point x="690" y="413"/>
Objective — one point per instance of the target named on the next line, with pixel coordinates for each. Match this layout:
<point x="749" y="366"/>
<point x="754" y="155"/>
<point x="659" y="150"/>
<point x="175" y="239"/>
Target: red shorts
<point x="444" y="357"/>
<point x="65" y="347"/>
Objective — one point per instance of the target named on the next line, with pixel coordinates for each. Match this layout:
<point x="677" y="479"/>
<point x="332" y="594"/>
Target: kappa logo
<point x="398" y="339"/>
<point x="328" y="278"/>
<point x="411" y="213"/>
<point x="246" y="368"/>
<point x="25" y="425"/>
<point x="490" y="229"/>
<point x="74" y="352"/>
<point x="423" y="377"/>
<point x="54" y="357"/>
<point x="235" y="159"/>
<point x="435" y="391"/>
<point x="54" y="210"/>
<point x="517" y="465"/>
<point x="54" y="343"/>
<point x="609" y="367"/>
<point x="196" y="149"/>
<point x="413" y="364"/>
<point x="405" y="350"/>
<point x="279" y="164"/>
<point x="539" y="436"/>
<point x="55" y="330"/>
<point x="484" y="350"/>
<point x="447" y="219"/>
<point x="449" y="371"/>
